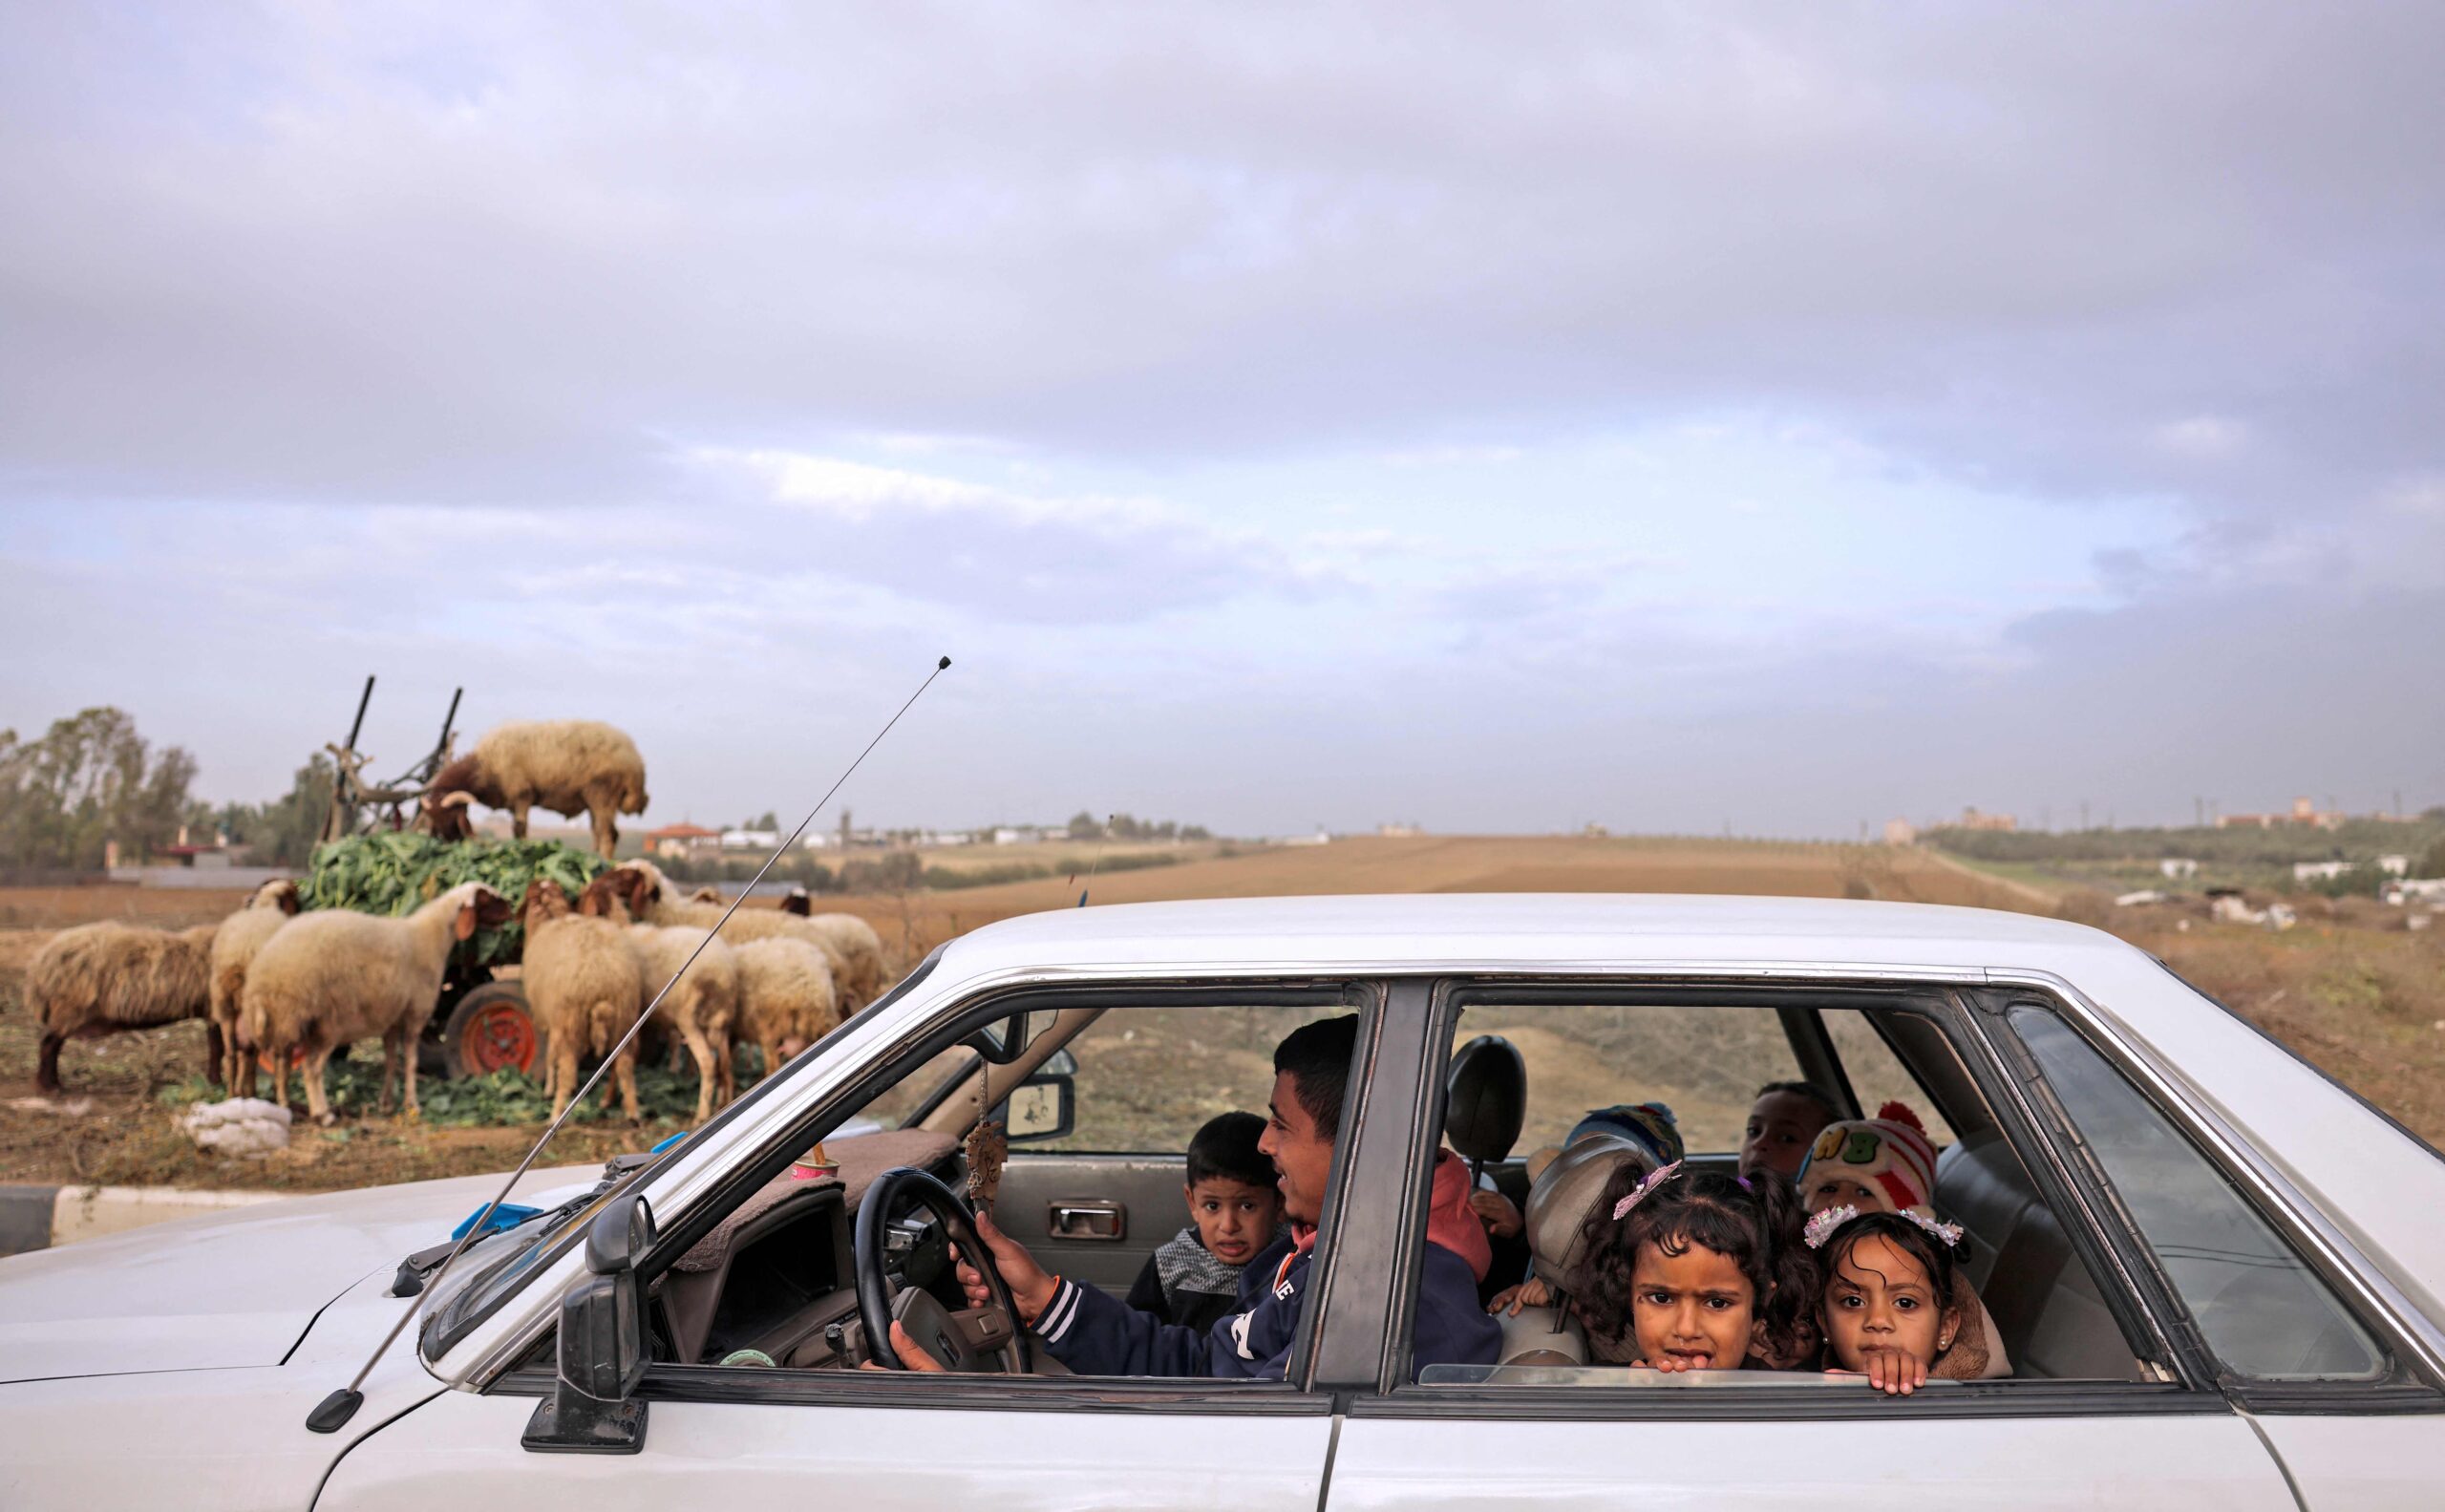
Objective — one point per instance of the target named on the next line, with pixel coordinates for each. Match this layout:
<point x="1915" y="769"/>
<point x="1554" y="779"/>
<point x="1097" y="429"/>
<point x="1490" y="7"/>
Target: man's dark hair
<point x="1805" y="1089"/>
<point x="1227" y="1147"/>
<point x="1317" y="1056"/>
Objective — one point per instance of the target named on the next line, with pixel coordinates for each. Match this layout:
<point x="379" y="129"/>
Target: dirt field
<point x="2349" y="989"/>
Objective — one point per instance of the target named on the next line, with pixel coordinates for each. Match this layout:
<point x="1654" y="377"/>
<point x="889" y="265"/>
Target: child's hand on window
<point x="1532" y="1292"/>
<point x="1896" y="1372"/>
<point x="1496" y="1212"/>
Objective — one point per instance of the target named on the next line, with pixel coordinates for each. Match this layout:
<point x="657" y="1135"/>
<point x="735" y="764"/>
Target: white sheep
<point x="699" y="1009"/>
<point x="329" y="979"/>
<point x="848" y="942"/>
<point x="854" y="944"/>
<point x="584" y="989"/>
<point x="108" y="978"/>
<point x="567" y="766"/>
<point x="233" y="950"/>
<point x="786" y="997"/>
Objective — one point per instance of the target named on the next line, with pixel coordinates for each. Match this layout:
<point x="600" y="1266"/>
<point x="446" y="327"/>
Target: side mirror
<point x="1046" y="1105"/>
<point x="603" y="1346"/>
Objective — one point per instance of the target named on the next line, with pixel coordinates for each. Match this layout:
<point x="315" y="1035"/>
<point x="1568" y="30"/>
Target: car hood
<point x="233" y="1288"/>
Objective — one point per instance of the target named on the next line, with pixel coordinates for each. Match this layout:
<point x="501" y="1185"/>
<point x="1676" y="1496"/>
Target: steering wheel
<point x="969" y="1340"/>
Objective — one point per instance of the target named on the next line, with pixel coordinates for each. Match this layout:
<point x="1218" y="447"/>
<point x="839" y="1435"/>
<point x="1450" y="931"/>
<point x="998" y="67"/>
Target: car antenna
<point x="1101" y="841"/>
<point x="335" y="1409"/>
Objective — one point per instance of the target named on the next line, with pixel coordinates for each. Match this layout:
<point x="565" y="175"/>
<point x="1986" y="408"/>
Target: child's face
<point x="1693" y="1311"/>
<point x="1833" y="1188"/>
<point x="1781" y="1124"/>
<point x="1879" y="1298"/>
<point x="1233" y="1219"/>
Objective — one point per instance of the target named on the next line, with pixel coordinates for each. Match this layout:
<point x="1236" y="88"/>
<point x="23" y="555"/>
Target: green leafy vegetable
<point x="394" y="872"/>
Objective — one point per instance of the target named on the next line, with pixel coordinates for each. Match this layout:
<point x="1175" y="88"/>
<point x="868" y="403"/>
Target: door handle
<point x="1107" y="1222"/>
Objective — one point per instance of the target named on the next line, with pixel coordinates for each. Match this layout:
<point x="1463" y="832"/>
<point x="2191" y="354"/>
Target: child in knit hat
<point x="1887" y="1165"/>
<point x="1882" y="1165"/>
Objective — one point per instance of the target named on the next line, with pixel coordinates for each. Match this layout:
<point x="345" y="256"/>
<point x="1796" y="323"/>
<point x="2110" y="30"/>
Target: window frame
<point x="2410" y="1380"/>
<point x="1361" y="994"/>
<point x="2175" y="1390"/>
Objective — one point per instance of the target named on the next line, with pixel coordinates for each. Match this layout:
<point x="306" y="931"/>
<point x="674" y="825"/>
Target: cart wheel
<point x="488" y="1030"/>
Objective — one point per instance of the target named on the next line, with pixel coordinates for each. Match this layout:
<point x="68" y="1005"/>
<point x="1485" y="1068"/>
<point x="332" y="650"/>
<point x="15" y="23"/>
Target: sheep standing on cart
<point x="567" y="766"/>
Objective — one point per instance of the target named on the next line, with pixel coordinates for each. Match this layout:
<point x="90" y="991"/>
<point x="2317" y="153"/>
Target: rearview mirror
<point x="603" y="1346"/>
<point x="1001" y="1041"/>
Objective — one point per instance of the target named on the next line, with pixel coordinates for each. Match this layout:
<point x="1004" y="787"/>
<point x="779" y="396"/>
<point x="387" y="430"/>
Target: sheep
<point x="786" y="997"/>
<point x="568" y="766"/>
<point x="702" y="1004"/>
<point x="585" y="987"/>
<point x="850" y="944"/>
<point x="107" y="978"/>
<point x="233" y="950"/>
<point x="327" y="980"/>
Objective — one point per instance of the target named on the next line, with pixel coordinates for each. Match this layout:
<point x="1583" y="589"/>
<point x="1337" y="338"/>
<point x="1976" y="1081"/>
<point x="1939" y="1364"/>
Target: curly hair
<point x="1934" y="1256"/>
<point x="1754" y="1221"/>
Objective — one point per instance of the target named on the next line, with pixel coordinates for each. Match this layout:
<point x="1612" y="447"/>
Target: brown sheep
<point x="327" y="980"/>
<point x="110" y="977"/>
<point x="584" y="989"/>
<point x="567" y="766"/>
<point x="233" y="950"/>
<point x="699" y="1009"/>
<point x="786" y="997"/>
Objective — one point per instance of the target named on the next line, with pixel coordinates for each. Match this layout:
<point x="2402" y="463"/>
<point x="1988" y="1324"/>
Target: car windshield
<point x="493" y="1265"/>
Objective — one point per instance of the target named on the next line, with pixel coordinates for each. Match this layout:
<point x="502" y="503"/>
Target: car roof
<point x="1432" y="931"/>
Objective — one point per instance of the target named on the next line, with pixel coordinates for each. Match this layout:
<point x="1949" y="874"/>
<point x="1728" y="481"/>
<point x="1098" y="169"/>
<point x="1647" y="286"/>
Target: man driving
<point x="1095" y="1334"/>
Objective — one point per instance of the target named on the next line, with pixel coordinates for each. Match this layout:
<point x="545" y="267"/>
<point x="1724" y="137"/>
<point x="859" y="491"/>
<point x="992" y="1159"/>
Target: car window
<point x="1876" y="1074"/>
<point x="1147" y="1078"/>
<point x="1706" y="1063"/>
<point x="2259" y="1306"/>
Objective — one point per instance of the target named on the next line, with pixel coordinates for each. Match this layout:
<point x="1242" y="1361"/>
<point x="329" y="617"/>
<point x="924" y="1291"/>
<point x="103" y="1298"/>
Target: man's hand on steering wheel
<point x="1032" y="1286"/>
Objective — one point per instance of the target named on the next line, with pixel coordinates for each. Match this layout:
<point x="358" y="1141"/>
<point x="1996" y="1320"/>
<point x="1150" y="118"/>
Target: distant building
<point x="751" y="839"/>
<point x="1973" y="819"/>
<point x="1399" y="831"/>
<point x="682" y="842"/>
<point x="2404" y="891"/>
<point x="1319" y="838"/>
<point x="1901" y="832"/>
<point x="2394" y="865"/>
<point x="2177" y="868"/>
<point x="2303" y="813"/>
<point x="2321" y="870"/>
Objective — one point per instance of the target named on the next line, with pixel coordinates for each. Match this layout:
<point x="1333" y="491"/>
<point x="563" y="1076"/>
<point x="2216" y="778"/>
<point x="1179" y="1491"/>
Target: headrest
<point x="1486" y="1095"/>
<point x="1559" y="1202"/>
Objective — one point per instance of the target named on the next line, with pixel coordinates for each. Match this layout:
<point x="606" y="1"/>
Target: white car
<point x="2219" y="1276"/>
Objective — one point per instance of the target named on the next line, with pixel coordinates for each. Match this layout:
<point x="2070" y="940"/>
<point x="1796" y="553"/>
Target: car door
<point x="750" y="1438"/>
<point x="1575" y="1439"/>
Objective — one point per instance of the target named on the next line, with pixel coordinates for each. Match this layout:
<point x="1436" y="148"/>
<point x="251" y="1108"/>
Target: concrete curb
<point x="46" y="1217"/>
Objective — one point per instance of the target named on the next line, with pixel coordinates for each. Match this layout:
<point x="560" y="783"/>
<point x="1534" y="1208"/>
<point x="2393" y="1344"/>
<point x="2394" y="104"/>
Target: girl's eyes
<point x="1719" y="1304"/>
<point x="1657" y="1299"/>
<point x="1854" y="1302"/>
<point x="1906" y="1304"/>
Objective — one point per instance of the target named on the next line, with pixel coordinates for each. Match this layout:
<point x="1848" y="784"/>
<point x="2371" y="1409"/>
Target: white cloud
<point x="2203" y="437"/>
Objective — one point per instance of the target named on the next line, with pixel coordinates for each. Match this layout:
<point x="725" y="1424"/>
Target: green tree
<point x="1084" y="827"/>
<point x="88" y="781"/>
<point x="2432" y="864"/>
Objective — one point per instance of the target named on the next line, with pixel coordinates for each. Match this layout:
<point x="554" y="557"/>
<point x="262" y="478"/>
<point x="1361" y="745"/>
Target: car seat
<point x="1558" y="1208"/>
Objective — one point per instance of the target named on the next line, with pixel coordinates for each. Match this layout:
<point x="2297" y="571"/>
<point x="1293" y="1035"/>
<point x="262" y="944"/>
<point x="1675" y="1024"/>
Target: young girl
<point x="1891" y="1307"/>
<point x="1696" y="1272"/>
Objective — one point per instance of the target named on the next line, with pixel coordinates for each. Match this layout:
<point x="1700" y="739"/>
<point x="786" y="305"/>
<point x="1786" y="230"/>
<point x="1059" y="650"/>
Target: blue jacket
<point x="1095" y="1335"/>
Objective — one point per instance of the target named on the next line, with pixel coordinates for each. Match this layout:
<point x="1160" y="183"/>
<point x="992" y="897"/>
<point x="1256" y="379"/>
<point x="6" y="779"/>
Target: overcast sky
<point x="1497" y="418"/>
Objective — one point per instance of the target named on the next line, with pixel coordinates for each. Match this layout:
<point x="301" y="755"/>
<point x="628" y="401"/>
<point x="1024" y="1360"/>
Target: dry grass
<point x="2349" y="990"/>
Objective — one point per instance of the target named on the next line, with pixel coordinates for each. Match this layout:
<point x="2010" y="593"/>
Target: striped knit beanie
<point x="1649" y="1126"/>
<point x="1890" y="1154"/>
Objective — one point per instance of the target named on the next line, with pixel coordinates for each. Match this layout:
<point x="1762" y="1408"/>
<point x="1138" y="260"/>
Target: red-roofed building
<point x="682" y="842"/>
